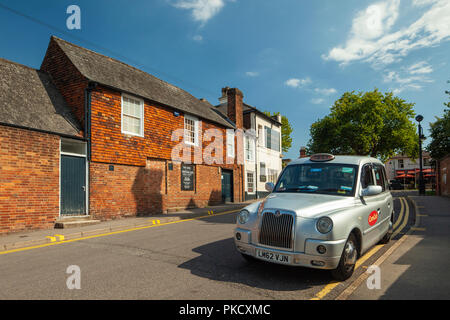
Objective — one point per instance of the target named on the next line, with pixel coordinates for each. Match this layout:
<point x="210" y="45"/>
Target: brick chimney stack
<point x="303" y="152"/>
<point x="235" y="106"/>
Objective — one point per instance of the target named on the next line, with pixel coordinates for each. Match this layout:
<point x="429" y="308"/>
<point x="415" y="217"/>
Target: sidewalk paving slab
<point x="418" y="269"/>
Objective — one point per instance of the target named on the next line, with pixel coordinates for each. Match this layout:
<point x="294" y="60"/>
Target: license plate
<point x="273" y="256"/>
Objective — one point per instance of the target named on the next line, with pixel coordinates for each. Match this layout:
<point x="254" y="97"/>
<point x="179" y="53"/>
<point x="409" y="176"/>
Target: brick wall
<point x="133" y="190"/>
<point x="443" y="176"/>
<point x="141" y="182"/>
<point x="29" y="179"/>
<point x="67" y="79"/>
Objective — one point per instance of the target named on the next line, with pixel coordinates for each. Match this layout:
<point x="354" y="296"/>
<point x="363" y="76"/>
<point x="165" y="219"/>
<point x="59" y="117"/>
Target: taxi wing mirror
<point x="269" y="186"/>
<point x="371" y="191"/>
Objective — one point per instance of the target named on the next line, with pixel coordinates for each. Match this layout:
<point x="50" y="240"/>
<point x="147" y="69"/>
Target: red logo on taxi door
<point x="373" y="217"/>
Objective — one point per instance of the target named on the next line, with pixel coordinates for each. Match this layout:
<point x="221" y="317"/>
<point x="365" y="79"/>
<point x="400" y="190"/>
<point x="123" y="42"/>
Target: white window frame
<point x="141" y="133"/>
<point x="249" y="152"/>
<point x="196" y="122"/>
<point x="253" y="182"/>
<point x="230" y="143"/>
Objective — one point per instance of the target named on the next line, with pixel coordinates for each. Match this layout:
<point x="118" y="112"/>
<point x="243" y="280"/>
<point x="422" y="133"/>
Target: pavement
<point x="419" y="267"/>
<point x="38" y="237"/>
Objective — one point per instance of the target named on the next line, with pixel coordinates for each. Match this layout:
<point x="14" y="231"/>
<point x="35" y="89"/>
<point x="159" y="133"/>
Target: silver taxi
<point x="324" y="212"/>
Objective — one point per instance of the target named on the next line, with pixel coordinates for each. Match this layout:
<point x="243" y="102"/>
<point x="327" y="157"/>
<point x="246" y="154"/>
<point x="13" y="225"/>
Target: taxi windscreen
<point x="325" y="178"/>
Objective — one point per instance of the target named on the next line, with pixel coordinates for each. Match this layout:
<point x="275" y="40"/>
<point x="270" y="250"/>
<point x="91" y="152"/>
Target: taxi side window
<point x="379" y="177"/>
<point x="367" y="177"/>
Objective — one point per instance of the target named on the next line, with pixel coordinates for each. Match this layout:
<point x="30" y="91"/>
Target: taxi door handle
<point x="378" y="209"/>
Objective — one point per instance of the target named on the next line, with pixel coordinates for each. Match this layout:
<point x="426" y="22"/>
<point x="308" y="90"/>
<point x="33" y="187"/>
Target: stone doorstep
<point x="65" y="224"/>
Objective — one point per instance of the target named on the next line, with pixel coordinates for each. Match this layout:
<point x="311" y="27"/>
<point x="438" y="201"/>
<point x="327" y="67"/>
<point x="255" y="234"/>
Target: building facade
<point x="406" y="170"/>
<point x="122" y="143"/>
<point x="262" y="147"/>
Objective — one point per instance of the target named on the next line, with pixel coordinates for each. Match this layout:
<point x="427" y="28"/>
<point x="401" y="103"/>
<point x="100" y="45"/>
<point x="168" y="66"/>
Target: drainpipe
<point x="87" y="134"/>
<point x="87" y="116"/>
<point x="256" y="156"/>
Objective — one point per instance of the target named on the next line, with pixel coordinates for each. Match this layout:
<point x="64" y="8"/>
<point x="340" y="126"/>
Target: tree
<point x="440" y="134"/>
<point x="371" y="123"/>
<point x="286" y="130"/>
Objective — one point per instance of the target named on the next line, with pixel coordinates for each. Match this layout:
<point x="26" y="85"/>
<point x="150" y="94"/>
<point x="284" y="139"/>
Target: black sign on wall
<point x="187" y="177"/>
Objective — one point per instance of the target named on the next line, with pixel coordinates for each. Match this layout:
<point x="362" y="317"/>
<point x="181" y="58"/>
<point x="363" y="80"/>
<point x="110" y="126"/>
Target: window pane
<point x="367" y="178"/>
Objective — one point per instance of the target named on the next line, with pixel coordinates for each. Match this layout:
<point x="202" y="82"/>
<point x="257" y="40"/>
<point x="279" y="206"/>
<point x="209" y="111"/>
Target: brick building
<point x="109" y="155"/>
<point x="443" y="176"/>
<point x="262" y="146"/>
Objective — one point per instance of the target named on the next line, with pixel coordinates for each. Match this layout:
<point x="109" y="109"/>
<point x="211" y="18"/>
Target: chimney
<point x="303" y="152"/>
<point x="235" y="106"/>
<point x="277" y="118"/>
<point x="224" y="97"/>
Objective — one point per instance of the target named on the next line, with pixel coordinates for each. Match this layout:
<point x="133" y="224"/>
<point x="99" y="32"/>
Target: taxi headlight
<point x="243" y="216"/>
<point x="324" y="225"/>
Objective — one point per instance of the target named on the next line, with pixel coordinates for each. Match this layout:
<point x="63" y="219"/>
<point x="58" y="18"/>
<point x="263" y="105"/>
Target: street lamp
<point x="419" y="118"/>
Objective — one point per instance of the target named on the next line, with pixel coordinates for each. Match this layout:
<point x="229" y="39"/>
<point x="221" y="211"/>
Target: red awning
<point x="404" y="176"/>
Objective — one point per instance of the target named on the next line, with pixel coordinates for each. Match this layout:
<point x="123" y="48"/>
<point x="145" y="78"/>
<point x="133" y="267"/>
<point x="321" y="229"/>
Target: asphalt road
<point x="188" y="260"/>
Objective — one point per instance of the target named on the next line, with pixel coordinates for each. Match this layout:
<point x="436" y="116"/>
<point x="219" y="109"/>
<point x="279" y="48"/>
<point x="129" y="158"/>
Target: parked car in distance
<point x="396" y="185"/>
<point x="324" y="212"/>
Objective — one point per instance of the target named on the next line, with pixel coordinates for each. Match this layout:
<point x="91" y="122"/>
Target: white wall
<point x="271" y="158"/>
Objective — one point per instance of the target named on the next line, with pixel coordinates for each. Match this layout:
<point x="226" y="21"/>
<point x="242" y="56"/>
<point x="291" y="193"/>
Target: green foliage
<point x="286" y="130"/>
<point x="440" y="134"/>
<point x="367" y="123"/>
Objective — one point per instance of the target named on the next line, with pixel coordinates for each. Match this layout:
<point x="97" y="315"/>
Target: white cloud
<point x="317" y="100"/>
<point x="325" y="91"/>
<point x="421" y="67"/>
<point x="409" y="78"/>
<point x="372" y="40"/>
<point x="197" y="38"/>
<point x="201" y="10"/>
<point x="297" y="83"/>
<point x="252" y="74"/>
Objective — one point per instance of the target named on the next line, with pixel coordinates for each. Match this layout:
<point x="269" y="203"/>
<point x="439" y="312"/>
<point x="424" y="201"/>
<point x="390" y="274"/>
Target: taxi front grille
<point x="276" y="230"/>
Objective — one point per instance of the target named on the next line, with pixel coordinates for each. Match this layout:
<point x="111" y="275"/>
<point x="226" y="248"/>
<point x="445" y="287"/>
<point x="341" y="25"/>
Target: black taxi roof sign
<point x="321" y="157"/>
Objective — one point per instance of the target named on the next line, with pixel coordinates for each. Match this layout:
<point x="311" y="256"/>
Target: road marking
<point x="352" y="287"/>
<point x="405" y="220"/>
<point x="52" y="239"/>
<point x="400" y="216"/>
<point x="60" y="237"/>
<point x="210" y="212"/>
<point x="110" y="233"/>
<point x="322" y="293"/>
<point x="327" y="289"/>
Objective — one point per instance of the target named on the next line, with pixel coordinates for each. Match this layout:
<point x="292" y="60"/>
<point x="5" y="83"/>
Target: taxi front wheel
<point x="348" y="260"/>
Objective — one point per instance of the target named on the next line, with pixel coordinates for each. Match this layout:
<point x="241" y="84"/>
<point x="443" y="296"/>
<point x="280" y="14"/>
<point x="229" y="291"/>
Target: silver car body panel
<point x="348" y="213"/>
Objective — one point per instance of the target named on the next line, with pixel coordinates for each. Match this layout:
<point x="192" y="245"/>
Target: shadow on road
<point x="220" y="261"/>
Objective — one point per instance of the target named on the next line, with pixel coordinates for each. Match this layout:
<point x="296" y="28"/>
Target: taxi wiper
<point x="299" y="188"/>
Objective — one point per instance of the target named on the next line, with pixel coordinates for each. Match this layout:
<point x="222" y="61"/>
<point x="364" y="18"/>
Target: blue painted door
<point x="73" y="185"/>
<point x="227" y="186"/>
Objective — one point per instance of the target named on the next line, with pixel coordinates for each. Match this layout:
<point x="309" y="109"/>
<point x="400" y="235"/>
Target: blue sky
<point x="296" y="57"/>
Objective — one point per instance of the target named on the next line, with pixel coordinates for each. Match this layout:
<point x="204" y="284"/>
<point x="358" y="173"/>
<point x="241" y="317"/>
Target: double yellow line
<point x="398" y="226"/>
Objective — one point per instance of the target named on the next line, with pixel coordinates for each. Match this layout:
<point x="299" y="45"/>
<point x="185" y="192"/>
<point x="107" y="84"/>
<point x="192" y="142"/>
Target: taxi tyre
<point x="345" y="268"/>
